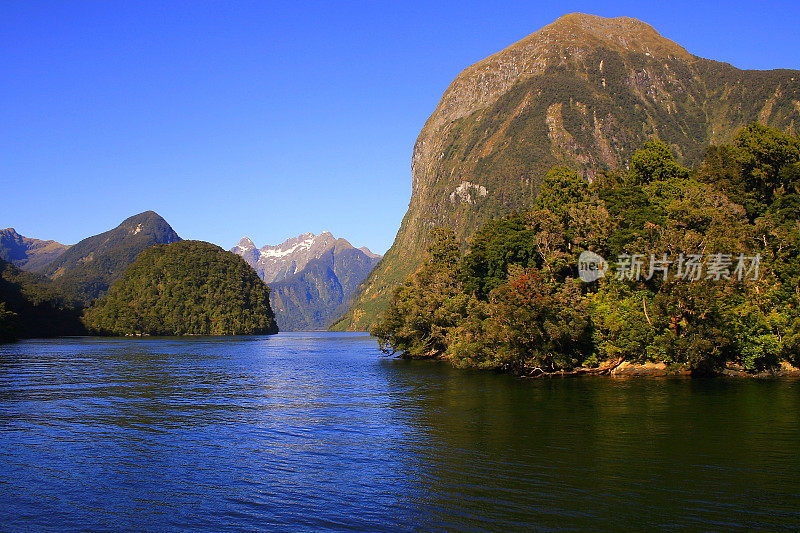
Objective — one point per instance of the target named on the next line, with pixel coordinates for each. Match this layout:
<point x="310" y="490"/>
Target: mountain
<point x="276" y="263"/>
<point x="185" y="288"/>
<point x="314" y="297"/>
<point x="88" y="268"/>
<point x="369" y="253"/>
<point x="27" y="253"/>
<point x="584" y="92"/>
<point x="312" y="277"/>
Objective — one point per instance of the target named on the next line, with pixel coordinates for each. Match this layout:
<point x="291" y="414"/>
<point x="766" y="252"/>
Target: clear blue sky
<point x="269" y="119"/>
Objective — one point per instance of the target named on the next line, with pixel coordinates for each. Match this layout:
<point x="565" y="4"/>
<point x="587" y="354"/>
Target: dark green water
<point x="318" y="432"/>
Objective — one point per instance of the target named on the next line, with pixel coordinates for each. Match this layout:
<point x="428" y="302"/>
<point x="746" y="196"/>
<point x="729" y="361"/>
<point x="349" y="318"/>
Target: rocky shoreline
<point x="650" y="369"/>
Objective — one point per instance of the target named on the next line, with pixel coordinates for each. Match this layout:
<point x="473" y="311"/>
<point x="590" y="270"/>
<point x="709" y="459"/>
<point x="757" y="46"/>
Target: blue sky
<point x="269" y="119"/>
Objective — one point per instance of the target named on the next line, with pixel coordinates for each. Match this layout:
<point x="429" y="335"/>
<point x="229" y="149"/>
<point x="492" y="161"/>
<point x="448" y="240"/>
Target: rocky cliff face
<point x="312" y="277"/>
<point x="585" y="92"/>
<point x="27" y="253"/>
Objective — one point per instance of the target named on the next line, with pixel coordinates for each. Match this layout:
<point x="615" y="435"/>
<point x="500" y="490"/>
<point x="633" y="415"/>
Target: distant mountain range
<point x="27" y="253"/>
<point x="281" y="261"/>
<point x="192" y="288"/>
<point x="313" y="277"/>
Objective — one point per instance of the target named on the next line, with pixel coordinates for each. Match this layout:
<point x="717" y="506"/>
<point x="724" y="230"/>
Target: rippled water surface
<point x="317" y="432"/>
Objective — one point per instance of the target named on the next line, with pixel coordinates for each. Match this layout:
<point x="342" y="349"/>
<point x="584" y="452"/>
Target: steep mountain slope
<point x="88" y="268"/>
<point x="27" y="253"/>
<point x="585" y="92"/>
<point x="312" y="277"/>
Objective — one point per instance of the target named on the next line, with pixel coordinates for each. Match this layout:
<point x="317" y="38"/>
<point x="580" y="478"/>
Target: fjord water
<point x="316" y="431"/>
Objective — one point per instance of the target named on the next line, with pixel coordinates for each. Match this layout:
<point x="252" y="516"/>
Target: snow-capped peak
<point x="278" y="262"/>
<point x="288" y="247"/>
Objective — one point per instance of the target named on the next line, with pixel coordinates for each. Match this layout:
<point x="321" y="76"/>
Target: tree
<point x="568" y="218"/>
<point x="761" y="165"/>
<point x="427" y="305"/>
<point x="498" y="244"/>
<point x="7" y="324"/>
<point x="535" y="324"/>
<point x="654" y="162"/>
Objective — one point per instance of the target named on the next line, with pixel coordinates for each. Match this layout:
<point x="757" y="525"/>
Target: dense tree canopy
<point x="704" y="270"/>
<point x="185" y="288"/>
<point x="31" y="306"/>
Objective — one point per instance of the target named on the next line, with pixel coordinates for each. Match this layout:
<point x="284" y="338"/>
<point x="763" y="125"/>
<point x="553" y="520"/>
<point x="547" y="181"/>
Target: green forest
<point x="184" y="288"/>
<point x="703" y="270"/>
<point x="31" y="306"/>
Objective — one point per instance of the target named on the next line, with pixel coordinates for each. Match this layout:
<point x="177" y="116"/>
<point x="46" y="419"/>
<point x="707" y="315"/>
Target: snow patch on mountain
<point x="275" y="263"/>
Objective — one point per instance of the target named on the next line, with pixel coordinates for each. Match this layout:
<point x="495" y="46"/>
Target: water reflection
<point x="499" y="452"/>
<point x="317" y="431"/>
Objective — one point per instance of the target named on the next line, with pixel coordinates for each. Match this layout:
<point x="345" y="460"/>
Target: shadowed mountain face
<point x="31" y="306"/>
<point x="312" y="277"/>
<point x="317" y="295"/>
<point x="27" y="253"/>
<point x="584" y="92"/>
<point x="88" y="268"/>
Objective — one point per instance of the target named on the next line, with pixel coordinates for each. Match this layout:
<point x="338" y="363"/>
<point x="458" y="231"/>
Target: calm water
<point x="317" y="431"/>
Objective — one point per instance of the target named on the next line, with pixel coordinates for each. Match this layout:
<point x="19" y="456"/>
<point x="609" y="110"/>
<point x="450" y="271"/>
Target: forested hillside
<point x="88" y="268"/>
<point x="185" y="288"/>
<point x="30" y="306"/>
<point x="702" y="270"/>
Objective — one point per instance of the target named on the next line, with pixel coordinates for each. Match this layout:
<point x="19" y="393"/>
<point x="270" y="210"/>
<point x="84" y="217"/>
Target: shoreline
<point x="649" y="369"/>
